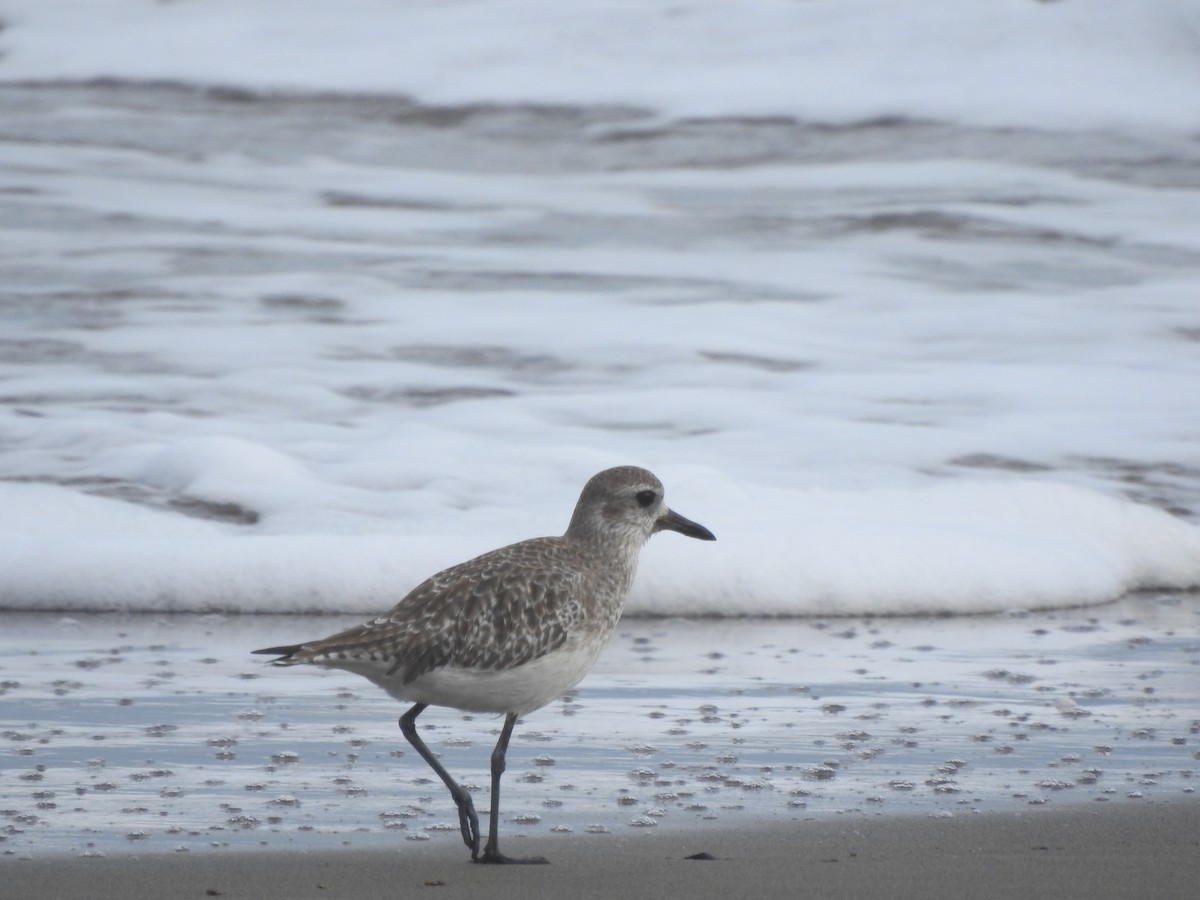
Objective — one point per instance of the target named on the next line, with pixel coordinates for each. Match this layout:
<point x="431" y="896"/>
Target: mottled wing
<point x="497" y="611"/>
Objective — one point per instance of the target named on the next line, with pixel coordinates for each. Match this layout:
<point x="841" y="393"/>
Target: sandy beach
<point x="1116" y="849"/>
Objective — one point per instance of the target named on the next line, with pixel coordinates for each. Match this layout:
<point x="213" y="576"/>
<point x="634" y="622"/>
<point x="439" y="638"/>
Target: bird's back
<point x="495" y="612"/>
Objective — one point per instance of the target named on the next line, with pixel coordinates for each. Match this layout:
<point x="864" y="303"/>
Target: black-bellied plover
<point x="508" y="631"/>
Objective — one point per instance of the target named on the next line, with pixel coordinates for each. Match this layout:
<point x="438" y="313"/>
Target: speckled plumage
<point x="495" y="613"/>
<point x="510" y="630"/>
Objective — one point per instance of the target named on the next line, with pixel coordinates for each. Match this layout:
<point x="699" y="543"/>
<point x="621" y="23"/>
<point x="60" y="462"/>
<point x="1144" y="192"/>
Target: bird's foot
<point x="492" y="855"/>
<point x="508" y="860"/>
<point x="468" y="824"/>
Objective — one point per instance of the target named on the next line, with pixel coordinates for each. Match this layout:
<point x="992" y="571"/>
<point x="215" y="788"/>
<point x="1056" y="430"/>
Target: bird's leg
<point x="468" y="822"/>
<point x="491" y="851"/>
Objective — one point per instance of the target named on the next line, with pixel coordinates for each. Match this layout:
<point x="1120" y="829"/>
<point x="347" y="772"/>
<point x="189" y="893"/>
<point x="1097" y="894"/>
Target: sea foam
<point x="969" y="547"/>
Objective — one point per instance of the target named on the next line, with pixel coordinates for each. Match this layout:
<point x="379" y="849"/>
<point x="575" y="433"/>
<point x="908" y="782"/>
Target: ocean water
<point x="300" y="303"/>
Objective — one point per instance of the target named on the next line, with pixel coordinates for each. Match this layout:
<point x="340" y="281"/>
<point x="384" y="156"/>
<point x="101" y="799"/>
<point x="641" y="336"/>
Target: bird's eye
<point x="646" y="498"/>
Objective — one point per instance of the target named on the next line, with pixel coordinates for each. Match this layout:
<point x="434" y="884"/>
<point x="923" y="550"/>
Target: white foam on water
<point x="889" y="385"/>
<point x="1104" y="63"/>
<point x="961" y="548"/>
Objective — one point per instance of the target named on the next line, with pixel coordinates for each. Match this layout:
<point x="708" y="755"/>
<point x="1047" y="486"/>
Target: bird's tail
<point x="285" y="654"/>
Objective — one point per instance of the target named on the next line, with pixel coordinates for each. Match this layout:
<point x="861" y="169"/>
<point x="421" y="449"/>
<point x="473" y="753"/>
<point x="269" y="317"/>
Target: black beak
<point x="673" y="521"/>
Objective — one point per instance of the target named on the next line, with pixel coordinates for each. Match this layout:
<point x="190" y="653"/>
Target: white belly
<point x="520" y="690"/>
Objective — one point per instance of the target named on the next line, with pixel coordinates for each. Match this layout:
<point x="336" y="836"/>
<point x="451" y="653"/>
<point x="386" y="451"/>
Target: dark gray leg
<point x="491" y="852"/>
<point x="468" y="822"/>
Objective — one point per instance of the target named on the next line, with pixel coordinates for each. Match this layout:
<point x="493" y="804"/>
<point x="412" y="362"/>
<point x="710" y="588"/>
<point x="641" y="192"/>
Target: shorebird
<point x="508" y="631"/>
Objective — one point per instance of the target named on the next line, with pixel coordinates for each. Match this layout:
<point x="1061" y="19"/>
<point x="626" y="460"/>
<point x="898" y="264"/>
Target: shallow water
<point x="162" y="732"/>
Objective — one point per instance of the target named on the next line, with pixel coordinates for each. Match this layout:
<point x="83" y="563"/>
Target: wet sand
<point x="1127" y="849"/>
<point x="162" y="735"/>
